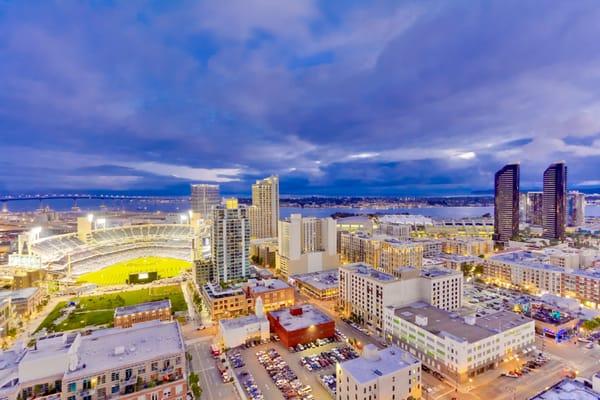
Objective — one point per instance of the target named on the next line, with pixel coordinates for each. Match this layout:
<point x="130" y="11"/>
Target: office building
<point x="382" y="252"/>
<point x="534" y="208"/>
<point x="264" y="212"/>
<point x="126" y="316"/>
<point x="390" y="373"/>
<point x="306" y="245"/>
<point x="321" y="285"/>
<point x="204" y="198"/>
<point x="274" y="293"/>
<point x="458" y="347"/>
<point x="575" y="209"/>
<point x="554" y="205"/>
<point x="506" y="203"/>
<point x="300" y="325"/>
<point x="144" y="362"/>
<point x="364" y="292"/>
<point x="468" y="246"/>
<point x="230" y="241"/>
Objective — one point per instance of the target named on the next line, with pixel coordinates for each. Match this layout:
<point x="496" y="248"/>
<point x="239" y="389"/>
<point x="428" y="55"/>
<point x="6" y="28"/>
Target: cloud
<point x="383" y="97"/>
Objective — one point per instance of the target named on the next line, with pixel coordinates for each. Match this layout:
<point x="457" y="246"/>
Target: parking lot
<point x="288" y="366"/>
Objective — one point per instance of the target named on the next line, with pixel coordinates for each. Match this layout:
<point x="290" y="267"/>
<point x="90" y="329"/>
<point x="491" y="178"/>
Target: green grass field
<point x="99" y="310"/>
<point x="118" y="274"/>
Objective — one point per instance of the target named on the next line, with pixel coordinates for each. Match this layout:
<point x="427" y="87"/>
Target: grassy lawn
<point x="118" y="274"/>
<point x="99" y="310"/>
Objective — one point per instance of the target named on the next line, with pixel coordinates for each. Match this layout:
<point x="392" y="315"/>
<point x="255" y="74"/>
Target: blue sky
<point x="337" y="97"/>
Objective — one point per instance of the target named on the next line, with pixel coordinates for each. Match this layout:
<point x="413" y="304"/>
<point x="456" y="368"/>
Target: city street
<point x="203" y="364"/>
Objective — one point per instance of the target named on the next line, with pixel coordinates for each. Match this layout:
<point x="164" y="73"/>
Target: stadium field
<point x="99" y="310"/>
<point x="118" y="274"/>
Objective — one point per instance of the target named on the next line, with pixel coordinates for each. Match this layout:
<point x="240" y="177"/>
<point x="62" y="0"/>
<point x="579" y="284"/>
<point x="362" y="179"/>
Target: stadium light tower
<point x="183" y="218"/>
<point x="34" y="234"/>
<point x="90" y="217"/>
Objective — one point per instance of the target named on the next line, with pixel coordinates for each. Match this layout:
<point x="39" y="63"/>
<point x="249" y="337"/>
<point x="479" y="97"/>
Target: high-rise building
<point x="230" y="241"/>
<point x="264" y="212"/>
<point x="554" y="205"/>
<point x="575" y="208"/>
<point x="306" y="245"/>
<point x="534" y="208"/>
<point x="204" y="198"/>
<point x="506" y="203"/>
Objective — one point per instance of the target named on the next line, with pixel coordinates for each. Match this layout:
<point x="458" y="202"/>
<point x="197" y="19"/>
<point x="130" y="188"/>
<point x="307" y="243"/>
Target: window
<point x="154" y="396"/>
<point x="114" y="389"/>
<point x="114" y="376"/>
<point x="72" y="386"/>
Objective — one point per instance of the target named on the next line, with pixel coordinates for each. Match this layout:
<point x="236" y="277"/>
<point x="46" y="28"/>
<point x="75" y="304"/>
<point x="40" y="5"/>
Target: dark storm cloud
<point x="336" y="97"/>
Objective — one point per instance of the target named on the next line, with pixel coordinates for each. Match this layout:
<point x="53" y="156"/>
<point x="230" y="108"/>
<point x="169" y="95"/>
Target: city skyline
<point x="335" y="98"/>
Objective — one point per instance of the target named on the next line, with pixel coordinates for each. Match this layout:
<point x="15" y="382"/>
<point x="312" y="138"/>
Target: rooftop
<point x="367" y="271"/>
<point x="374" y="364"/>
<point x="310" y="316"/>
<point x="18" y="294"/>
<point x="436" y="272"/>
<point x="525" y="259"/>
<point x="117" y="347"/>
<point x="449" y="324"/>
<point x="138" y="308"/>
<point x="240" y="322"/>
<point x="321" y="279"/>
<point x="568" y="389"/>
<point x="266" y="285"/>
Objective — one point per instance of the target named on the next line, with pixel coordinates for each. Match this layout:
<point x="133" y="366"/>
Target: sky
<point x="336" y="97"/>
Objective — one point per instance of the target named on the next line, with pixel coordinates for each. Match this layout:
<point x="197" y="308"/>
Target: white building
<point x="238" y="331"/>
<point x="364" y="291"/>
<point x="458" y="347"/>
<point x="379" y="374"/>
<point x="399" y="231"/>
<point x="306" y="245"/>
<point x="264" y="212"/>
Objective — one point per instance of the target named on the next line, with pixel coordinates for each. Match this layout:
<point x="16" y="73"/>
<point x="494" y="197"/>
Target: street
<point x="203" y="364"/>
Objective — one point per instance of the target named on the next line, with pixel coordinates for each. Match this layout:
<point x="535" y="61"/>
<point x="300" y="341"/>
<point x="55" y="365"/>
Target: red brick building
<point x="300" y="325"/>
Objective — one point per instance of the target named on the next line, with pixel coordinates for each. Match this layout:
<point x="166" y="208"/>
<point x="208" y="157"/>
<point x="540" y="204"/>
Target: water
<point x="182" y="205"/>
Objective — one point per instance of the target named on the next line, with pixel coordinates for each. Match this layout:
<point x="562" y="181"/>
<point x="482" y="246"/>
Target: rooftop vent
<point x="119" y="350"/>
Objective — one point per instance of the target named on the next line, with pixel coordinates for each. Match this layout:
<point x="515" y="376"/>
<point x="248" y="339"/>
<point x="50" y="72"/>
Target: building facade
<point x="126" y="316"/>
<point x="264" y="212"/>
<point x="506" y="203"/>
<point x="534" y="208"/>
<point x="575" y="208"/>
<point x="204" y="198"/>
<point x="554" y="204"/>
<point x="230" y="242"/>
<point x="306" y="245"/>
<point x="390" y="373"/>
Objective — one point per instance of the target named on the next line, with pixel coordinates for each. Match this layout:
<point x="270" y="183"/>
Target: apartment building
<point x="6" y="316"/>
<point x="583" y="285"/>
<point x="230" y="241"/>
<point x="458" y="347"/>
<point x="382" y="252"/>
<point x="306" y="245"/>
<point x="264" y="212"/>
<point x="390" y="373"/>
<point x="364" y="292"/>
<point x="398" y="231"/>
<point x="321" y="285"/>
<point x="468" y="246"/>
<point x="524" y="270"/>
<point x="25" y="301"/>
<point x="126" y="316"/>
<point x="144" y="362"/>
<point x="431" y="247"/>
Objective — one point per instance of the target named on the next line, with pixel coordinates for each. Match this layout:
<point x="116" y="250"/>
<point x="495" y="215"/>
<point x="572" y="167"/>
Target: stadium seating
<point x="104" y="247"/>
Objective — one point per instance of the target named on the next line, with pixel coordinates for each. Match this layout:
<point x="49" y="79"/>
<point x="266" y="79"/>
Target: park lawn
<point x="118" y="274"/>
<point x="99" y="310"/>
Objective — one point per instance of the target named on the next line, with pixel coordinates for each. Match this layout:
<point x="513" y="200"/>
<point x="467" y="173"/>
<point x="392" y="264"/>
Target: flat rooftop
<point x="110" y="349"/>
<point x="216" y="292"/>
<point x="449" y="324"/>
<point x="142" y="307"/>
<point x="382" y="363"/>
<point x="367" y="271"/>
<point x="235" y="323"/>
<point x="310" y="316"/>
<point x="525" y="259"/>
<point x="20" y="294"/>
<point x="266" y="285"/>
<point x="437" y="272"/>
<point x="568" y="389"/>
<point x="321" y="279"/>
